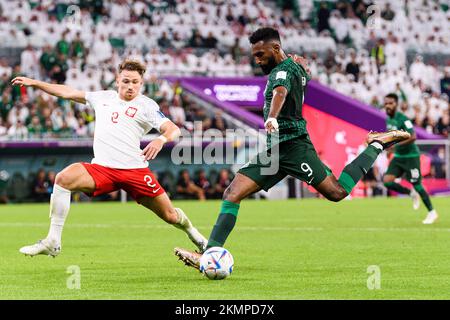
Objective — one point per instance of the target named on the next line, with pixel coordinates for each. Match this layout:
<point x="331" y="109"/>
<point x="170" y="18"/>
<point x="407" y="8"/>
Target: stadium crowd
<point x="349" y="50"/>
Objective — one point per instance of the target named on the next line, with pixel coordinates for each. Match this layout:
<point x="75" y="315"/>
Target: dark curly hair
<point x="264" y="34"/>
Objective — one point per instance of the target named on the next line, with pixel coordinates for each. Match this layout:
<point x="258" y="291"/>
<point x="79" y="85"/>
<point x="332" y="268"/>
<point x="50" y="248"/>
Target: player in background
<point x="285" y="125"/>
<point x="406" y="160"/>
<point x="123" y="117"/>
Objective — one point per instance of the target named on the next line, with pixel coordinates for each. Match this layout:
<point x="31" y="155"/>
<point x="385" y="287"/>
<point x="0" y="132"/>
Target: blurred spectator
<point x="4" y="178"/>
<point x="210" y="41"/>
<point x="286" y="18"/>
<point x="196" y="40"/>
<point x="353" y="67"/>
<point x="445" y="83"/>
<point x="377" y="53"/>
<point x="29" y="62"/>
<point x="186" y="187"/>
<point x="35" y="129"/>
<point x="236" y="51"/>
<point x="18" y="131"/>
<point x="244" y="18"/>
<point x="203" y="182"/>
<point x="323" y="16"/>
<point x="388" y="13"/>
<point x="218" y="122"/>
<point x="51" y="176"/>
<point x="176" y="112"/>
<point x="443" y="125"/>
<point x="63" y="46"/>
<point x="223" y="181"/>
<point x="77" y="48"/>
<point x="40" y="187"/>
<point x="164" y="42"/>
<point x="3" y="128"/>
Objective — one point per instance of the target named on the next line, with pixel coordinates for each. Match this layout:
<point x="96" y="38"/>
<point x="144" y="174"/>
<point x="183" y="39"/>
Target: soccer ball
<point x="216" y="263"/>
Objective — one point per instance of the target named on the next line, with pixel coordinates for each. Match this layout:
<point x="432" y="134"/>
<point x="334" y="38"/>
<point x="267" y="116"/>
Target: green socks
<point x="397" y="187"/>
<point x="224" y="224"/>
<point x="355" y="170"/>
<point x="424" y="195"/>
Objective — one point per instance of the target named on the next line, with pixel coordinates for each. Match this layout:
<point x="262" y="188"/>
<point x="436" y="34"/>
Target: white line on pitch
<point x="262" y="228"/>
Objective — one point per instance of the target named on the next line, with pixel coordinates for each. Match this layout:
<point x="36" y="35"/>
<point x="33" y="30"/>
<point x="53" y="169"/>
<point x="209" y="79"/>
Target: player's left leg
<point x="163" y="208"/>
<point x="355" y="170"/>
<point x="432" y="215"/>
<point x="397" y="167"/>
<point x="242" y="186"/>
<point x="414" y="176"/>
<point x="74" y="177"/>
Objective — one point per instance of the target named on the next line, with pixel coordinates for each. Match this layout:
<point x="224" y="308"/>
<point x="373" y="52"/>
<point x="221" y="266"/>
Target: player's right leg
<point x="73" y="178"/>
<point x="241" y="187"/>
<point x="163" y="208"/>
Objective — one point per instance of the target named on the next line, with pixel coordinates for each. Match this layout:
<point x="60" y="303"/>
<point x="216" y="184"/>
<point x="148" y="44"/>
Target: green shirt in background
<point x="401" y="122"/>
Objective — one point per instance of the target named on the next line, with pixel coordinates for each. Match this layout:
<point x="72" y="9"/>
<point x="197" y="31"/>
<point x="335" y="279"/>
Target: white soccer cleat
<point x="41" y="247"/>
<point x="431" y="217"/>
<point x="415" y="198"/>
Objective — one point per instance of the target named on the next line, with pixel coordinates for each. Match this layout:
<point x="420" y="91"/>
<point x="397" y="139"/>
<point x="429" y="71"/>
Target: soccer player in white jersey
<point x="123" y="117"/>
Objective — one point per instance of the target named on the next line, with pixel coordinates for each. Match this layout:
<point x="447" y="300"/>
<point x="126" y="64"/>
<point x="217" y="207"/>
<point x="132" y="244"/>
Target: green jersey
<point x="290" y="120"/>
<point x="401" y="122"/>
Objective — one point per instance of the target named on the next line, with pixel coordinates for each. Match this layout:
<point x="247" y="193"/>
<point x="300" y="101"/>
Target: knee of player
<point x="230" y="195"/>
<point x="418" y="187"/>
<point x="337" y="195"/>
<point x="170" y="216"/>
<point x="63" y="180"/>
<point x="387" y="180"/>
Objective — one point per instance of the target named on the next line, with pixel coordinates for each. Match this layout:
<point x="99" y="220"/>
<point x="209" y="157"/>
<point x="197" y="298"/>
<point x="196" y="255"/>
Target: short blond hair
<point x="132" y="65"/>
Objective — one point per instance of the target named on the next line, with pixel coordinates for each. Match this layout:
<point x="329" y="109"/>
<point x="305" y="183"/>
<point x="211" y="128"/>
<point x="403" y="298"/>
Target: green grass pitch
<point x="307" y="249"/>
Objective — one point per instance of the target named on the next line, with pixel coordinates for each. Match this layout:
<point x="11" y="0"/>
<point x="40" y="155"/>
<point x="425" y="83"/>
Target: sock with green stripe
<point x="424" y="195"/>
<point x="355" y="170"/>
<point x="224" y="224"/>
<point x="397" y="187"/>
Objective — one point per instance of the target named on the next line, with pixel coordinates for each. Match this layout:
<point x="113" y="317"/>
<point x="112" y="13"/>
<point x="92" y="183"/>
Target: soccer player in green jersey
<point x="289" y="148"/>
<point x="406" y="160"/>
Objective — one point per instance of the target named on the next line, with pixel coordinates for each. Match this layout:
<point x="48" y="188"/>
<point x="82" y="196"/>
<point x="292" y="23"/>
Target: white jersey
<point x="120" y="126"/>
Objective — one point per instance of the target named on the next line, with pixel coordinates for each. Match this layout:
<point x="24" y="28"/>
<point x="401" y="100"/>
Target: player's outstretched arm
<point x="279" y="96"/>
<point x="57" y="90"/>
<point x="169" y="132"/>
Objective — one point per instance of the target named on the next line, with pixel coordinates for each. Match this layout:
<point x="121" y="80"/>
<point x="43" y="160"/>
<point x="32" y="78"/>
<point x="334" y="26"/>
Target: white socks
<point x="183" y="221"/>
<point x="185" y="224"/>
<point x="59" y="209"/>
<point x="377" y="145"/>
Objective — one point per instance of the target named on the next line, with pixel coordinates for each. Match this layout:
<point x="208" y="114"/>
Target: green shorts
<point x="297" y="158"/>
<point x="408" y="166"/>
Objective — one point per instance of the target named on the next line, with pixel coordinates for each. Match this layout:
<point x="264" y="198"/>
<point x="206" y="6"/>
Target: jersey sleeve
<point x="282" y="78"/>
<point x="155" y="117"/>
<point x="407" y="125"/>
<point x="93" y="97"/>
